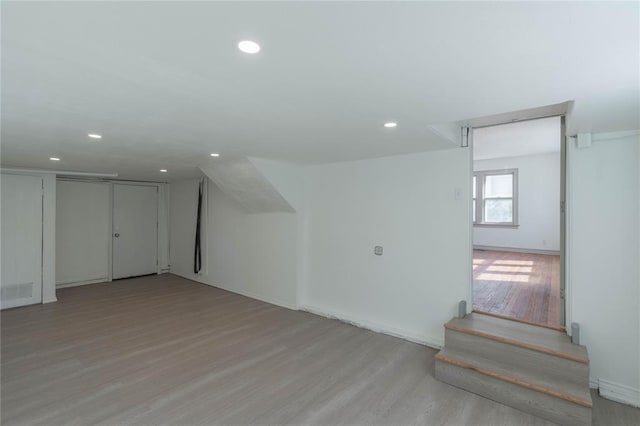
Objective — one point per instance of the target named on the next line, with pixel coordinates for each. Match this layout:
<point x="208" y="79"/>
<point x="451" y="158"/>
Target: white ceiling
<point x="517" y="139"/>
<point x="165" y="85"/>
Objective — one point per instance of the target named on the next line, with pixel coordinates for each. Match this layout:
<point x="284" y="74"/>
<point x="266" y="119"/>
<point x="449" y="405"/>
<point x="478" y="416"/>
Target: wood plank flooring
<point x="523" y="286"/>
<point x="162" y="350"/>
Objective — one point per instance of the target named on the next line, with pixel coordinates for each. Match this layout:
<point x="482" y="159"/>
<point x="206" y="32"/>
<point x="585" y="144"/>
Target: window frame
<point x="480" y="177"/>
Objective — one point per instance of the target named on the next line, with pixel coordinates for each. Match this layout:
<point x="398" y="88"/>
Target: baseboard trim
<point x="50" y="300"/>
<point x="422" y="339"/>
<point x="517" y="250"/>
<point x="240" y="292"/>
<point x="79" y="283"/>
<point x="619" y="393"/>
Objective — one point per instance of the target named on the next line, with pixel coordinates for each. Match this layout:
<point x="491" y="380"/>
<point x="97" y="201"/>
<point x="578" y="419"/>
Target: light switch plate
<point x="377" y="250"/>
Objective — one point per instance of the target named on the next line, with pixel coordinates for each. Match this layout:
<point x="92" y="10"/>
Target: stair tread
<point x="555" y="342"/>
<point x="538" y="380"/>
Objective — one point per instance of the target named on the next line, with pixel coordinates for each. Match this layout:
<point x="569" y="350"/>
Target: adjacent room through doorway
<point x="517" y="179"/>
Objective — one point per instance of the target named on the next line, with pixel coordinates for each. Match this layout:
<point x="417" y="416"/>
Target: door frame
<point x="564" y="300"/>
<point x="110" y="182"/>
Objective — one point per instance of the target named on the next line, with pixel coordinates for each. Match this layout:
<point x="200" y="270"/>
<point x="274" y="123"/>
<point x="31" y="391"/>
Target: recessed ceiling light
<point x="248" y="46"/>
<point x="215" y="154"/>
<point x="54" y="159"/>
<point x="163" y="170"/>
<point x="390" y="124"/>
<point x="94" y="136"/>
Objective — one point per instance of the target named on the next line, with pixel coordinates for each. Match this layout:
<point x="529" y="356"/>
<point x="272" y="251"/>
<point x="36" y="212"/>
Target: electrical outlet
<point x="377" y="250"/>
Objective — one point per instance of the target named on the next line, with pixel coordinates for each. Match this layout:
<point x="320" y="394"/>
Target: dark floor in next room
<point x="523" y="286"/>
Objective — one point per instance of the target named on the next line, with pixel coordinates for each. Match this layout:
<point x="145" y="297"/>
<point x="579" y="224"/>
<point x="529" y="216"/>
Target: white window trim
<point x="480" y="198"/>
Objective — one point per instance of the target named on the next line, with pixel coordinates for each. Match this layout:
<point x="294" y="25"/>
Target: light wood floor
<point x="164" y="350"/>
<point x="524" y="286"/>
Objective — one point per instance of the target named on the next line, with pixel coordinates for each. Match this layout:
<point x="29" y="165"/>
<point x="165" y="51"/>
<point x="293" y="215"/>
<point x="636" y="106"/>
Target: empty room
<point x="320" y="213"/>
<point x="518" y="214"/>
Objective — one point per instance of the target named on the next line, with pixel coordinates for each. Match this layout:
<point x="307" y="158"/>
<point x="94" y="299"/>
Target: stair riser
<point x="519" y="358"/>
<point x="539" y="404"/>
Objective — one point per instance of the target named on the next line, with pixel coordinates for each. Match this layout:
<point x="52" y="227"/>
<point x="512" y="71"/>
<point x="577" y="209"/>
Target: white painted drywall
<point x="538" y="204"/>
<point x="288" y="180"/>
<point x="248" y="253"/>
<point x="242" y="181"/>
<point x="21" y="230"/>
<point x="604" y="253"/>
<point x="517" y="139"/>
<point x="83" y="232"/>
<point x="407" y="205"/>
<point x="48" y="235"/>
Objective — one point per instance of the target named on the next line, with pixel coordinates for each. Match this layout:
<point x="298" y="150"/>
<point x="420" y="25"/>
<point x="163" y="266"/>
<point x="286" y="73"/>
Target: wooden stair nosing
<point x="515" y="381"/>
<point x="525" y="373"/>
<point x="517" y="343"/>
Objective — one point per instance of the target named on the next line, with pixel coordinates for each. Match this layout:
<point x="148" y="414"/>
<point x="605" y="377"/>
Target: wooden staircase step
<point x="517" y="358"/>
<point x="548" y="385"/>
<point x="526" y="336"/>
<point x="542" y="402"/>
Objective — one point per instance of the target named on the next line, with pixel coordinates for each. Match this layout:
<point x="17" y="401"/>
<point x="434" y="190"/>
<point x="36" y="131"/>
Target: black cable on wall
<point x="197" y="260"/>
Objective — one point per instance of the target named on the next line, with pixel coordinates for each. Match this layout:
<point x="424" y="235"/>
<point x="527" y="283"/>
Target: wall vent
<point x="17" y="291"/>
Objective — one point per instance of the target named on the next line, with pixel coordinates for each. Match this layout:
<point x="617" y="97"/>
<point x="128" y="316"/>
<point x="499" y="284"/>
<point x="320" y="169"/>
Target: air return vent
<point x="17" y="291"/>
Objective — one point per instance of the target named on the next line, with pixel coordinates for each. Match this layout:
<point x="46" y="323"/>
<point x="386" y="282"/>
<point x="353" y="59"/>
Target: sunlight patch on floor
<point x="514" y="262"/>
<point x="518" y="278"/>
<point x="518" y="269"/>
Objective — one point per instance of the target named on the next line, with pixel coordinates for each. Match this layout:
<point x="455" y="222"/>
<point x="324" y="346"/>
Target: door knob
<point x="116" y="235"/>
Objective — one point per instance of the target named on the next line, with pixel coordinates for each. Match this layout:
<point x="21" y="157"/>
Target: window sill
<point x="495" y="225"/>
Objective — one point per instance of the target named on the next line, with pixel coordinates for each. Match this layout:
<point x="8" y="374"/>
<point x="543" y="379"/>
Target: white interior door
<point x="21" y="258"/>
<point x="135" y="230"/>
<point x="83" y="232"/>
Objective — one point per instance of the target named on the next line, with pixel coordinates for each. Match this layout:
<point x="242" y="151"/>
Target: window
<point x="495" y="197"/>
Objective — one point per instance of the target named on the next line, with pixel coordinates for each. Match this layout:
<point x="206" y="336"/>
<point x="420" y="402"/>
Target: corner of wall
<point x="591" y="172"/>
<point x="420" y="338"/>
<point x="49" y="239"/>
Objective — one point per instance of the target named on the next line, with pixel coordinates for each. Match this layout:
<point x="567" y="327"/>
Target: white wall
<point x="48" y="234"/>
<point x="538" y="204"/>
<point x="83" y="232"/>
<point x="248" y="253"/>
<point x="288" y="180"/>
<point x="604" y="253"/>
<point x="407" y="205"/>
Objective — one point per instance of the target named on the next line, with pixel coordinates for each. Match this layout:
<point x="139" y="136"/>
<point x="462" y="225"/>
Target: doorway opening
<point x="518" y="221"/>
